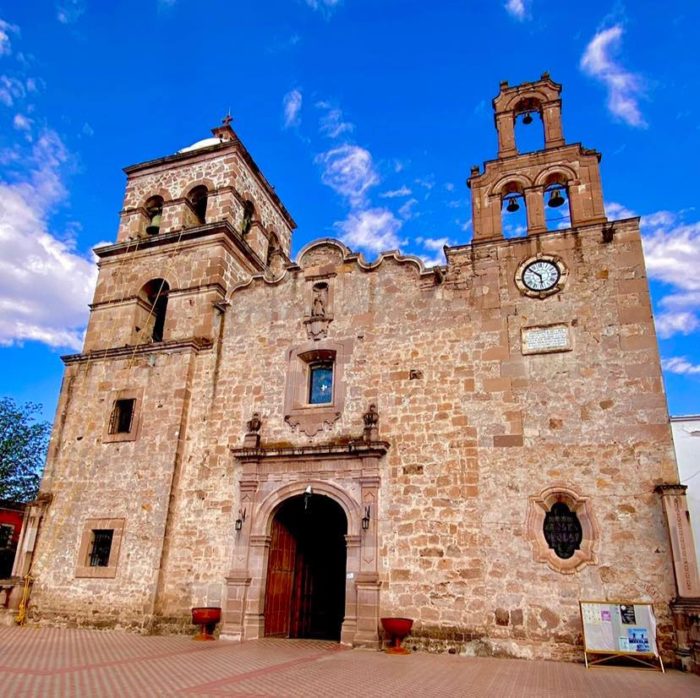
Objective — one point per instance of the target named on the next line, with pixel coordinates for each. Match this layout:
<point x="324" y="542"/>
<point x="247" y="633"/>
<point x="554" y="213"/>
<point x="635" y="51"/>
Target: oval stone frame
<point x="538" y="507"/>
<point x="541" y="257"/>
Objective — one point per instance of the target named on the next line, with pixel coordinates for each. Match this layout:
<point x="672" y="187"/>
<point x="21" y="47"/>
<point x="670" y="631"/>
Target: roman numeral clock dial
<point x="540" y="276"/>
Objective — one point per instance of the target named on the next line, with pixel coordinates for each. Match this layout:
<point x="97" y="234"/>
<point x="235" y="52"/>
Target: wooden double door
<point x="305" y="586"/>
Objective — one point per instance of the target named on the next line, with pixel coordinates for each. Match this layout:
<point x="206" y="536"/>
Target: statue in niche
<point x="371" y="419"/>
<point x="320" y="300"/>
<point x="254" y="423"/>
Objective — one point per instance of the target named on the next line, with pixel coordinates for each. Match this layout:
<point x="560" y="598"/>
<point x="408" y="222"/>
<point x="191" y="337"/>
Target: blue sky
<point x="365" y="114"/>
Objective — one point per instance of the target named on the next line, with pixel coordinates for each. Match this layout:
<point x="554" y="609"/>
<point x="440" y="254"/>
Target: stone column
<point x="349" y="628"/>
<point x="506" y="134"/>
<point x="551" y="115"/>
<point x="367" y="583"/>
<point x="534" y="202"/>
<point x="243" y="560"/>
<point x="685" y="563"/>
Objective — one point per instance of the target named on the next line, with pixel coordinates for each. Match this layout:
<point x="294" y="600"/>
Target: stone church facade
<point x="314" y="444"/>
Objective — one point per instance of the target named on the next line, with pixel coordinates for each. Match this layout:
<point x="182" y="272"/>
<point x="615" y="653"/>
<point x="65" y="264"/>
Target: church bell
<point x="527" y="119"/>
<point x="153" y="227"/>
<point x="513" y="205"/>
<point x="555" y="199"/>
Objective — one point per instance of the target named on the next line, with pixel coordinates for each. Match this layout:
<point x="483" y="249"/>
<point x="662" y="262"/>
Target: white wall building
<point x="686" y="439"/>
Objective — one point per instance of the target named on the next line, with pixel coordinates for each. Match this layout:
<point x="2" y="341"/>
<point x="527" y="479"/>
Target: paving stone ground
<point x="47" y="662"/>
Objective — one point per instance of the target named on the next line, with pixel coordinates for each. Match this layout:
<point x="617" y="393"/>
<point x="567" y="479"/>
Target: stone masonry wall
<point x="475" y="429"/>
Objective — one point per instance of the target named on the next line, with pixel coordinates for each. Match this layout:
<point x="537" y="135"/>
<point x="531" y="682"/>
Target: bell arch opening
<point x="528" y="125"/>
<point x="305" y="578"/>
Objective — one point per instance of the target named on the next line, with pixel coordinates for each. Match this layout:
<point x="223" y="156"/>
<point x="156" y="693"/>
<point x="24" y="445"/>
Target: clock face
<point x="541" y="275"/>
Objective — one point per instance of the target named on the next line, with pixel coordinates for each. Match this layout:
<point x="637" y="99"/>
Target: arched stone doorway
<point x="347" y="476"/>
<point x="305" y="580"/>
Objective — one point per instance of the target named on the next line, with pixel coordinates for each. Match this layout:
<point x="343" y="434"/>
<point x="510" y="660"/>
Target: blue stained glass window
<point x="321" y="384"/>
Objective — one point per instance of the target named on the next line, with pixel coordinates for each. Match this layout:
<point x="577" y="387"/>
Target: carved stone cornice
<point x="350" y="449"/>
<point x="196" y="344"/>
<point x="179" y="236"/>
<point x="671" y="488"/>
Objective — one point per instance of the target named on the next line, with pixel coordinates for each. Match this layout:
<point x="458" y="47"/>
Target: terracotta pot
<point x="397" y="628"/>
<point x="206" y="617"/>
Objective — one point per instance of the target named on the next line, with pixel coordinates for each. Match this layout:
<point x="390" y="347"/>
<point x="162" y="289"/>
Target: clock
<point x="541" y="275"/>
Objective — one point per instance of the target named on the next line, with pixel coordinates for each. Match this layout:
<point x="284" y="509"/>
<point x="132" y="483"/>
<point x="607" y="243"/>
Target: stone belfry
<point x="570" y="170"/>
<point x="192" y="224"/>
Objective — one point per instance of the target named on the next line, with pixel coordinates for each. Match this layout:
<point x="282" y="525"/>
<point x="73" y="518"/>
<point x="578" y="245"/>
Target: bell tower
<point x="567" y="174"/>
<point x="192" y="225"/>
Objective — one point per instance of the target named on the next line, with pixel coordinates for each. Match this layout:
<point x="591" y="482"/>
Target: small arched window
<point x="248" y="217"/>
<point x="198" y="202"/>
<point x="154" y="212"/>
<point x="153" y="305"/>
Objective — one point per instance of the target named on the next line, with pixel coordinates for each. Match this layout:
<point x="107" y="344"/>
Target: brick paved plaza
<point x="60" y="662"/>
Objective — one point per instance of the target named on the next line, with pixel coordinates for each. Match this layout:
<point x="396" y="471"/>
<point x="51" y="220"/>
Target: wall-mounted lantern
<point x="365" y="518"/>
<point x="308" y="493"/>
<point x="240" y="520"/>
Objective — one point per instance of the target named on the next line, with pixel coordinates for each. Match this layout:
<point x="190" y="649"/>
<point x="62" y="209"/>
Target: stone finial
<point x="371" y="418"/>
<point x="252" y="437"/>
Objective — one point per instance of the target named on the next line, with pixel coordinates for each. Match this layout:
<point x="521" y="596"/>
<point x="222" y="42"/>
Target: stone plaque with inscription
<point x="545" y="339"/>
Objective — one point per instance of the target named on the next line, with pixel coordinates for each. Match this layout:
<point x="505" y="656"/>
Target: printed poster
<point x="638" y="640"/>
<point x="627" y="615"/>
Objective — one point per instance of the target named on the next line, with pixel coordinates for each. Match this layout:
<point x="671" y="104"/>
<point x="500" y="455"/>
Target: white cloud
<point x="373" y="230"/>
<point x="11" y="89"/>
<point x="616" y="211"/>
<point x="44" y="284"/>
<point x="406" y="210"/>
<point x="22" y="123"/>
<point x="348" y="170"/>
<point x="292" y="108"/>
<point x="69" y="11"/>
<point x="395" y="193"/>
<point x="679" y="364"/>
<point x="517" y="9"/>
<point x="672" y="252"/>
<point x="435" y="247"/>
<point x="672" y="255"/>
<point x="326" y="7"/>
<point x="624" y="87"/>
<point x="670" y="323"/>
<point x="332" y="123"/>
<point x="5" y="30"/>
<point x="426" y="182"/>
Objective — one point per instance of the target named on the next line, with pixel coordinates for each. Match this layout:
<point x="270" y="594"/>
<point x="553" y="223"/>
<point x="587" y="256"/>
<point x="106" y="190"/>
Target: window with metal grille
<point x="6" y="531"/>
<point x="321" y="383"/>
<point x="101" y="547"/>
<point x="562" y="530"/>
<point x="122" y="416"/>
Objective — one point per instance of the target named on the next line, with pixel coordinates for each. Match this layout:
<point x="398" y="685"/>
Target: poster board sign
<point x="619" y="629"/>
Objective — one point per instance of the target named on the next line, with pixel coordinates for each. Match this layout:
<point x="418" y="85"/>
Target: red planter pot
<point x="397" y="628"/>
<point x="206" y="617"/>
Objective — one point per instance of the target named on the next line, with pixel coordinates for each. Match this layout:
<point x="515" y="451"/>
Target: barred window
<point x="101" y="547"/>
<point x="6" y="531"/>
<point x="562" y="530"/>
